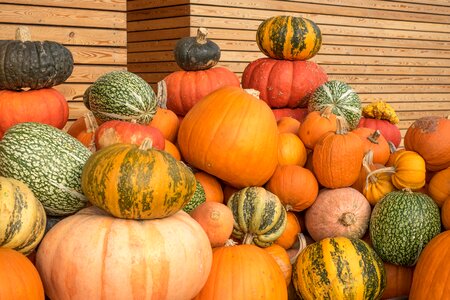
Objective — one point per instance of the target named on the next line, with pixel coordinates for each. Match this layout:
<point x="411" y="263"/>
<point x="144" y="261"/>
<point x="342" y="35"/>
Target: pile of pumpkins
<point x="284" y="188"/>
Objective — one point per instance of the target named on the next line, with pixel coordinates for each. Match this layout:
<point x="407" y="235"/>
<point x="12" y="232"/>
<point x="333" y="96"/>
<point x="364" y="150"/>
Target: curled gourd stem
<point x="378" y="171"/>
<point x="23" y="34"/>
<point x="146" y="144"/>
<point x="201" y="35"/>
<point x="230" y="243"/>
<point x="301" y="246"/>
<point x="162" y="94"/>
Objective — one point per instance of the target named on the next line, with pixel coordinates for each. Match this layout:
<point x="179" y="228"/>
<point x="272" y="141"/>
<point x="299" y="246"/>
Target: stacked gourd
<point x="287" y="77"/>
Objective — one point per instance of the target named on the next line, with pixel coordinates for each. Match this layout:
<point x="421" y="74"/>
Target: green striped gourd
<point x="288" y="37"/>
<point x="198" y="198"/>
<point x="401" y="225"/>
<point x="22" y="216"/>
<point x="49" y="161"/>
<point x="121" y="95"/>
<point x="339" y="268"/>
<point x="342" y="99"/>
<point x="259" y="216"/>
<point x="137" y="182"/>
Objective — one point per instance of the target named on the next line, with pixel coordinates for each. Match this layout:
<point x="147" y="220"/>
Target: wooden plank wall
<point x="397" y="51"/>
<point x="93" y="30"/>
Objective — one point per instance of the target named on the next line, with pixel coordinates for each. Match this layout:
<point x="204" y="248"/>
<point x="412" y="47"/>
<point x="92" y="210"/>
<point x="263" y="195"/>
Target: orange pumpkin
<point x="445" y="214"/>
<point x="337" y="157"/>
<point x="285" y="183"/>
<point x="291" y="150"/>
<point x="430" y="137"/>
<point x="290" y="233"/>
<point x="172" y="149"/>
<point x="228" y="191"/>
<point x="19" y="279"/>
<point x="217" y="221"/>
<point x="373" y="140"/>
<point x="288" y="124"/>
<point x="431" y="278"/>
<point x="83" y="129"/>
<point x="211" y="185"/>
<point x="231" y="135"/>
<point x="315" y="125"/>
<point x="398" y="281"/>
<point x="282" y="258"/>
<point x="243" y="272"/>
<point x="439" y="186"/>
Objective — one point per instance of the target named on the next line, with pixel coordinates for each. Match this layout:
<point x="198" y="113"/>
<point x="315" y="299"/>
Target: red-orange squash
<point x="19" y="279"/>
<point x="398" y="281"/>
<point x="243" y="272"/>
<point x="92" y="255"/>
<point x="231" y="135"/>
<point x="439" y="186"/>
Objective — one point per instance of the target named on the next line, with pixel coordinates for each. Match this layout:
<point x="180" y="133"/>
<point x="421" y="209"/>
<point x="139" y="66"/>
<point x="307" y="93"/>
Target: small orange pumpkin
<point x="211" y="185"/>
<point x="315" y="125"/>
<point x="373" y="140"/>
<point x="291" y="150"/>
<point x="172" y="149"/>
<point x="290" y="233"/>
<point x="83" y="129"/>
<point x="288" y="124"/>
<point x="439" y="186"/>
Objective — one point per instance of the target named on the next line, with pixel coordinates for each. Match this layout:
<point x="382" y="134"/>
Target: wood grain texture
<point x="115" y="5"/>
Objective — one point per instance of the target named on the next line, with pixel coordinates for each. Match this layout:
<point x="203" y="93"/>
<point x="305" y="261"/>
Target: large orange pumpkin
<point x="92" y="255"/>
<point x="430" y="137"/>
<point x="231" y="135"/>
<point x="243" y="272"/>
<point x="431" y="278"/>
<point x="19" y="279"/>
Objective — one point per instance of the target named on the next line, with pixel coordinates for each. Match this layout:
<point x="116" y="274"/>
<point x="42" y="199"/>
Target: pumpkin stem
<point x="347" y="219"/>
<point x="91" y="127"/>
<point x="146" y="144"/>
<point x="327" y="112"/>
<point x="77" y="97"/>
<point x="162" y="94"/>
<point x="392" y="147"/>
<point x="253" y="92"/>
<point x="368" y="161"/>
<point x="23" y="34"/>
<point x="201" y="35"/>
<point x="381" y="170"/>
<point x="341" y="125"/>
<point x="373" y="138"/>
<point x="230" y="243"/>
<point x="301" y="245"/>
<point x="288" y="207"/>
<point x="248" y="239"/>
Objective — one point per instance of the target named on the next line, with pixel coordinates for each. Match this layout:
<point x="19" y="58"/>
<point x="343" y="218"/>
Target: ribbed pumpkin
<point x="46" y="106"/>
<point x="339" y="268"/>
<point x="390" y="131"/>
<point x="431" y="280"/>
<point x="83" y="129"/>
<point x="430" y="137"/>
<point x="92" y="255"/>
<point x="186" y="88"/>
<point x="338" y="212"/>
<point x="291" y="150"/>
<point x="33" y="64"/>
<point x="373" y="140"/>
<point x="289" y="38"/>
<point x="18" y="276"/>
<point x="259" y="216"/>
<point x="337" y="158"/>
<point x="315" y="125"/>
<point x="342" y="99"/>
<point x="137" y="182"/>
<point x="401" y="224"/>
<point x="283" y="83"/>
<point x="243" y="272"/>
<point x="286" y="182"/>
<point x="22" y="216"/>
<point x="439" y="186"/>
<point x="399" y="280"/>
<point x="231" y="135"/>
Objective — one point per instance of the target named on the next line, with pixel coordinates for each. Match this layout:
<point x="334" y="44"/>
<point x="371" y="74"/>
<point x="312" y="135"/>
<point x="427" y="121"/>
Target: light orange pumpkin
<point x="217" y="221"/>
<point x="83" y="129"/>
<point x="439" y="186"/>
<point x="211" y="185"/>
<point x="19" y="279"/>
<point x="231" y="135"/>
<point x="92" y="255"/>
<point x="315" y="125"/>
<point x="290" y="233"/>
<point x="431" y="279"/>
<point x="282" y="258"/>
<point x="291" y="150"/>
<point x="367" y="166"/>
<point x="288" y="124"/>
<point x="445" y="214"/>
<point x="243" y="272"/>
<point x="398" y="281"/>
<point x="338" y="212"/>
<point x="172" y="149"/>
<point x="295" y="186"/>
<point x="430" y="137"/>
<point x="373" y="140"/>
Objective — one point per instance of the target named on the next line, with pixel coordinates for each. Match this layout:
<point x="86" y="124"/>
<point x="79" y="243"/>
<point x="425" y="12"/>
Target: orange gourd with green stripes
<point x="339" y="268"/>
<point x="137" y="182"/>
<point x="288" y="37"/>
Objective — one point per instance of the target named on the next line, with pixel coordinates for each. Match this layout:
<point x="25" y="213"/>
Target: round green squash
<point x="49" y="161"/>
<point x="289" y="38"/>
<point x="198" y="198"/>
<point x="339" y="268"/>
<point x="121" y="95"/>
<point x="137" y="182"/>
<point x="22" y="216"/>
<point x="401" y="225"/>
<point x="259" y="216"/>
<point x="342" y="99"/>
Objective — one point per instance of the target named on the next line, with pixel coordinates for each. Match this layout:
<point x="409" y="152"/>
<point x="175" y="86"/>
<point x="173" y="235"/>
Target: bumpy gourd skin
<point x="33" y="65"/>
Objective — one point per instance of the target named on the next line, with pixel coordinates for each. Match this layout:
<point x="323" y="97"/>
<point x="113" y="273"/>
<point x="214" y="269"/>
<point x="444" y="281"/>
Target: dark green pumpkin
<point x="288" y="37"/>
<point x="198" y="198"/>
<point x="33" y="64"/>
<point x="196" y="53"/>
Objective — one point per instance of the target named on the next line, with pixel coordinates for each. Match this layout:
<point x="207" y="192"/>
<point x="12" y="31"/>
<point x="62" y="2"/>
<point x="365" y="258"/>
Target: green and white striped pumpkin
<point x="401" y="225"/>
<point x="121" y="95"/>
<point x="342" y="99"/>
<point x="259" y="216"/>
<point x="49" y="161"/>
<point x="22" y="217"/>
<point x="339" y="268"/>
